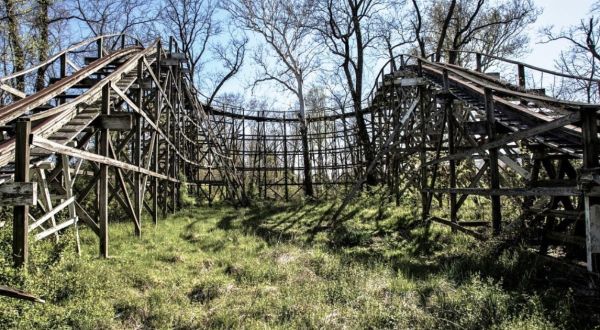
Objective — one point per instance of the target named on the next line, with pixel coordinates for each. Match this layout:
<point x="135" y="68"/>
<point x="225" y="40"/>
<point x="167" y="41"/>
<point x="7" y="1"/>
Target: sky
<point x="559" y="13"/>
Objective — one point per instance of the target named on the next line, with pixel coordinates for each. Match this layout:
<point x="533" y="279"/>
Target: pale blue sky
<point x="561" y="14"/>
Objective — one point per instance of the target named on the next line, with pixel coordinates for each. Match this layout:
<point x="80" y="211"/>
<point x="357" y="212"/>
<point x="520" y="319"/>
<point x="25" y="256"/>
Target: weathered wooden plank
<point x="55" y="229"/>
<point x="521" y="135"/>
<point x="85" y="217"/>
<point x="18" y="194"/>
<point x="459" y="228"/>
<point x="19" y="294"/>
<point x="103" y="149"/>
<point x="61" y="149"/>
<point x="116" y="121"/>
<point x="546" y="191"/>
<point x="50" y="214"/>
<point x="13" y="91"/>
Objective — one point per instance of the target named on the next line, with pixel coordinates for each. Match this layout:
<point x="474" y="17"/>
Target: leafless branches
<point x="582" y="57"/>
<point x="291" y="53"/>
<point x="115" y="16"/>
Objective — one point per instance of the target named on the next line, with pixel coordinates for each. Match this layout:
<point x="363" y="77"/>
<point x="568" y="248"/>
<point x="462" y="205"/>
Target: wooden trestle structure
<point x="120" y="128"/>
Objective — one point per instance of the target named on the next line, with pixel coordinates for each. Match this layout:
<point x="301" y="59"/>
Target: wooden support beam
<point x="588" y="181"/>
<point x="493" y="163"/>
<point x="103" y="191"/>
<point x="459" y="228"/>
<point x="137" y="154"/>
<point x="21" y="212"/>
<point x="452" y="150"/>
<point x="18" y="194"/>
<point x="115" y="121"/>
<point x="68" y="181"/>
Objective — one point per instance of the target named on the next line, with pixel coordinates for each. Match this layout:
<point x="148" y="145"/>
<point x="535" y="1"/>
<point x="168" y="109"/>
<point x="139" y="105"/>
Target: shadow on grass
<point x="368" y="243"/>
<point x="410" y="248"/>
<point x="407" y="247"/>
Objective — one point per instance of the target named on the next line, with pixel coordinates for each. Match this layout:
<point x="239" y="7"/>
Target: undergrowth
<point x="287" y="266"/>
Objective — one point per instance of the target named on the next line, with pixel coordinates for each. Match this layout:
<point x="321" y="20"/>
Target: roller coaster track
<point x="120" y="125"/>
<point x="495" y="140"/>
<point x="120" y="128"/>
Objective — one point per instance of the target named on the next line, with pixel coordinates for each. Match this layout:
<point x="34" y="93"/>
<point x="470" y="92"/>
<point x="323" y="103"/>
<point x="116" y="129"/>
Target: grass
<point x="283" y="266"/>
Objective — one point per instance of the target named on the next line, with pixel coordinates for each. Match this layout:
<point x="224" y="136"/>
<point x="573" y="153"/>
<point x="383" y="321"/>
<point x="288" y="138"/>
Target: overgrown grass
<point x="286" y="266"/>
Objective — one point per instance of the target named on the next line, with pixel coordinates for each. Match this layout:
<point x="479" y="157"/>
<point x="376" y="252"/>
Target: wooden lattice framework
<point x="120" y="128"/>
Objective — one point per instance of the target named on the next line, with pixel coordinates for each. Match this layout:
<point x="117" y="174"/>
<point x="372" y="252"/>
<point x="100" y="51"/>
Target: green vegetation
<point x="284" y="266"/>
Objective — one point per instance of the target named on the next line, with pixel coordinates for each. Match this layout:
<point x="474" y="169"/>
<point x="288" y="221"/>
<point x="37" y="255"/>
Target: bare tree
<point x="42" y="23"/>
<point x="200" y="35"/>
<point x="103" y="17"/>
<point x="444" y="29"/>
<point x="193" y="24"/>
<point x="348" y="33"/>
<point x="393" y="31"/>
<point x="285" y="27"/>
<point x="418" y="26"/>
<point x="14" y="36"/>
<point x="231" y="56"/>
<point x="474" y="25"/>
<point x="581" y="58"/>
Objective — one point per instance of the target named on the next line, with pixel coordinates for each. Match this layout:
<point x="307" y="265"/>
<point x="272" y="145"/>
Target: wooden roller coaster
<point x="121" y="126"/>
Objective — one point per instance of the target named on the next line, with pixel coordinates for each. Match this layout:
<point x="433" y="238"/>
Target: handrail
<point x="503" y="90"/>
<point x="530" y="66"/>
<point x="68" y="50"/>
<point x="546" y="99"/>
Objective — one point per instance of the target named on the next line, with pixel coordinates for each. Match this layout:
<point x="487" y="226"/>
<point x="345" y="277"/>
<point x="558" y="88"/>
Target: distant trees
<point x="348" y="29"/>
<point x="200" y="34"/>
<point x="13" y="15"/>
<point x="101" y="17"/>
<point x="582" y="58"/>
<point x="497" y="28"/>
<point x="26" y="28"/>
<point x="291" y="55"/>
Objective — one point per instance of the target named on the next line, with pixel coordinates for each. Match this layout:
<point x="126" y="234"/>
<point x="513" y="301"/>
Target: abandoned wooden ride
<point x="122" y="123"/>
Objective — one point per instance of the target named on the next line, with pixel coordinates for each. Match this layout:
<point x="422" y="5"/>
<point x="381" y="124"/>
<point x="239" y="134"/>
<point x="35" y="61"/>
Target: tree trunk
<point x="440" y="44"/>
<point x="43" y="47"/>
<point x="16" y="44"/>
<point x="363" y="133"/>
<point x="308" y="186"/>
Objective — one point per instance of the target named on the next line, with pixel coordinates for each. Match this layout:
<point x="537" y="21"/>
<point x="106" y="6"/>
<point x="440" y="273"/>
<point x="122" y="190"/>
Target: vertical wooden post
<point x="100" y="47"/>
<point x="423" y="154"/>
<point x="285" y="158"/>
<point x="63" y="72"/>
<point x="21" y="212"/>
<point x="63" y="65"/>
<point x="521" y="80"/>
<point x="451" y="151"/>
<point x="72" y="211"/>
<point x="478" y="62"/>
<point x="155" y="156"/>
<point x="264" y="157"/>
<point x="591" y="146"/>
<point x="137" y="150"/>
<point x="244" y="149"/>
<point x="167" y="184"/>
<point x="103" y="180"/>
<point x="493" y="154"/>
<point x="521" y="76"/>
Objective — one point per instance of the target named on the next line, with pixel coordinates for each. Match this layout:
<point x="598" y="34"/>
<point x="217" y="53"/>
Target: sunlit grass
<point x="284" y="266"/>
